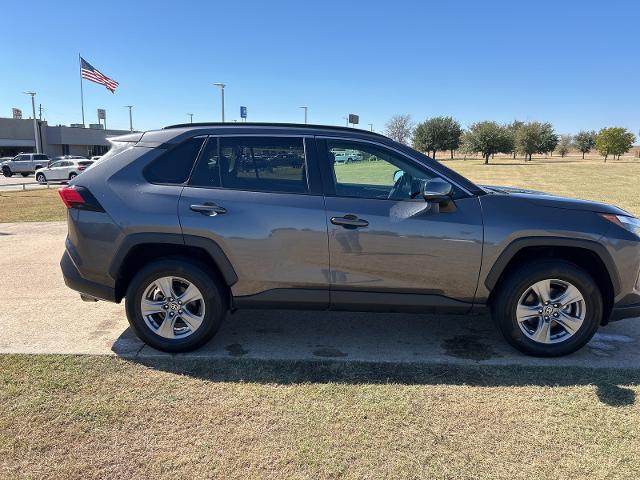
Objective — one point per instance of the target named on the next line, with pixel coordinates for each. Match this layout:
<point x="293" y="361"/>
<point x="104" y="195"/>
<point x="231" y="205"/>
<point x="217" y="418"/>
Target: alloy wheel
<point x="550" y="311"/>
<point x="172" y="307"/>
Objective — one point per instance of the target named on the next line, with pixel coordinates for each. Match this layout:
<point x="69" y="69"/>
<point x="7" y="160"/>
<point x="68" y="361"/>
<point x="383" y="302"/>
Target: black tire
<point x="72" y="175"/>
<point x="40" y="178"/>
<point x="207" y="282"/>
<point x="514" y="285"/>
<point x="6" y="171"/>
<point x="25" y="174"/>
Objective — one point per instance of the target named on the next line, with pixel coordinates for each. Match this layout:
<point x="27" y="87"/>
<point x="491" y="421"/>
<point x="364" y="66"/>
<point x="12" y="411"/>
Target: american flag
<point x="89" y="72"/>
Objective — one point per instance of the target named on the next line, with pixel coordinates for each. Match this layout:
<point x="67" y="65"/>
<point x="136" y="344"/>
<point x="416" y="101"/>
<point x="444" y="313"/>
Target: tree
<point x="614" y="141"/>
<point x="565" y="144"/>
<point x="437" y="134"/>
<point x="512" y="129"/>
<point x="399" y="128"/>
<point x="536" y="137"/>
<point x="585" y="141"/>
<point x="454" y="135"/>
<point x="487" y="138"/>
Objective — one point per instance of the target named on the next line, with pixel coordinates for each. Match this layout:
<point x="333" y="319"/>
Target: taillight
<point x="82" y="168"/>
<point x="79" y="197"/>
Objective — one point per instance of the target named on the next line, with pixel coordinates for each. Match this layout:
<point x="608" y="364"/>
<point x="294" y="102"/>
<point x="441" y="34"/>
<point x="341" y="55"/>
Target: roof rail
<point x="270" y="124"/>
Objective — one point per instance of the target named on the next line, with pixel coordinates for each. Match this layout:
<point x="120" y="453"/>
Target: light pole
<point x="221" y="85"/>
<point x="305" y="113"/>
<point x="130" y="117"/>
<point x="371" y="127"/>
<point x="35" y="120"/>
<point x="190" y="117"/>
<point x="347" y="119"/>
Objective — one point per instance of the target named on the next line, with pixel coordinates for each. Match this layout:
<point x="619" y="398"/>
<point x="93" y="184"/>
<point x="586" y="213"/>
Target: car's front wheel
<point x="41" y="179"/>
<point x="175" y="305"/>
<point x="548" y="308"/>
<point x="6" y="171"/>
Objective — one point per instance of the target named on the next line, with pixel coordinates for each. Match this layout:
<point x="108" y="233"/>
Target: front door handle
<point x="208" y="208"/>
<point x="349" y="221"/>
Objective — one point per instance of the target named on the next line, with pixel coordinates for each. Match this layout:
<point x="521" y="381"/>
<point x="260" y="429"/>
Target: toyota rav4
<point x="192" y="221"/>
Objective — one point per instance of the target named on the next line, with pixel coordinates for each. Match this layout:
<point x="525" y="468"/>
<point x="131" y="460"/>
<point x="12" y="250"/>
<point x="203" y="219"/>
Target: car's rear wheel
<point x="40" y="178"/>
<point x="548" y="308"/>
<point x="175" y="305"/>
<point x="6" y="171"/>
<point x="72" y="175"/>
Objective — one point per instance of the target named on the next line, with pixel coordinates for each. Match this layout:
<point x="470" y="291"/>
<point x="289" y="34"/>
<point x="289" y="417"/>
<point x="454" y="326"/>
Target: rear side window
<point x="175" y="165"/>
<point x="262" y="164"/>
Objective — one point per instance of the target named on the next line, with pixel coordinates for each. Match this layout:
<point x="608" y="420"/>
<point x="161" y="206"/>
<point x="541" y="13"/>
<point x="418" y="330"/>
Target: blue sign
<point x="243" y="112"/>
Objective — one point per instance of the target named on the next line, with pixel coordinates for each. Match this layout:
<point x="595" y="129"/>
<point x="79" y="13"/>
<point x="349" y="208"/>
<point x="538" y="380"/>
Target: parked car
<point x="170" y="221"/>
<point x="342" y="156"/>
<point x="62" y="170"/>
<point x="96" y="157"/>
<point x="24" y="164"/>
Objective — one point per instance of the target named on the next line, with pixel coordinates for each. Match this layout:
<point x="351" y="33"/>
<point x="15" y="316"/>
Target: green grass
<point x="42" y="205"/>
<point x="102" y="417"/>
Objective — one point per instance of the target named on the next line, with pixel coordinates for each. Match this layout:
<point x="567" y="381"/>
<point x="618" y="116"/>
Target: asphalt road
<point x="40" y="314"/>
<point x="8" y="184"/>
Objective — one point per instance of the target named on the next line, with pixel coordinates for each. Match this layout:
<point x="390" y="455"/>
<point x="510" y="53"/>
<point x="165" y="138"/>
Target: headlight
<point x="631" y="224"/>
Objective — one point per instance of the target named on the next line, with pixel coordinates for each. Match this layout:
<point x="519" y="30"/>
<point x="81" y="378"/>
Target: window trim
<point x="306" y="151"/>
<point x="327" y="177"/>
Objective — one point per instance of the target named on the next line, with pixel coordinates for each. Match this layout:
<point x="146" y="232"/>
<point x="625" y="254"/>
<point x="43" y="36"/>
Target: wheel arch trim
<point x="209" y="246"/>
<point x="519" y="244"/>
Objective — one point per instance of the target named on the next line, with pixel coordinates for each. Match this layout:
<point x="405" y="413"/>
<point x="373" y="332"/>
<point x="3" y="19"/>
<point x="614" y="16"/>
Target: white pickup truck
<point x="24" y="164"/>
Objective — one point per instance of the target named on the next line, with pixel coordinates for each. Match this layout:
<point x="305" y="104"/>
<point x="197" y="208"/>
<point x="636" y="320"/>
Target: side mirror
<point x="397" y="175"/>
<point x="436" y="190"/>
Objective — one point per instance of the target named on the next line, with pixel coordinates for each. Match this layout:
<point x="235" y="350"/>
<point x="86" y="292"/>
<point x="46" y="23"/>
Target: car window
<point x="367" y="171"/>
<point x="207" y="173"/>
<point x="20" y="158"/>
<point x="40" y="157"/>
<point x="55" y="164"/>
<point x="174" y="166"/>
<point x="264" y="164"/>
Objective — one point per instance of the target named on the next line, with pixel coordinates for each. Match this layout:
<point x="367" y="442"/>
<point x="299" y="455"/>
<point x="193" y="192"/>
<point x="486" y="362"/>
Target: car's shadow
<point x="287" y="347"/>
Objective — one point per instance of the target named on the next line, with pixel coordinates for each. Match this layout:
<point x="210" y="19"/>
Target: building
<point x="16" y="135"/>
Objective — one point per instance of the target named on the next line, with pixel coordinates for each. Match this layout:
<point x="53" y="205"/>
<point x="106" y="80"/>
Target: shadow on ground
<point x="285" y="347"/>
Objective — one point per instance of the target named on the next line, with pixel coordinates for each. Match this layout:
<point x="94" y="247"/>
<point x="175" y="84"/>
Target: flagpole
<point x="81" y="92"/>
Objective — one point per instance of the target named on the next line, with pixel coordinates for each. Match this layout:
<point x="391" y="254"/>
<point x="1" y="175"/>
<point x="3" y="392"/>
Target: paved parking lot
<point x="15" y="183"/>
<point x="41" y="315"/>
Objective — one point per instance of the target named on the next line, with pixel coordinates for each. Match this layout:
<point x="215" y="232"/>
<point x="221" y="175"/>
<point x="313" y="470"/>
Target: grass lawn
<point x="43" y="205"/>
<point x="103" y="417"/>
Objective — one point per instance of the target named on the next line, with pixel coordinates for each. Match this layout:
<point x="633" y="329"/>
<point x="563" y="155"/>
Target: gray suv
<point x="192" y="221"/>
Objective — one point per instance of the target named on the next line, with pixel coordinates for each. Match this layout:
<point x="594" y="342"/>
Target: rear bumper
<point x="75" y="281"/>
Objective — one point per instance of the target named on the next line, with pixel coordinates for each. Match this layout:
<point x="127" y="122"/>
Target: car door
<point x="20" y="164"/>
<point x="390" y="248"/>
<point x="256" y="198"/>
<point x="58" y="170"/>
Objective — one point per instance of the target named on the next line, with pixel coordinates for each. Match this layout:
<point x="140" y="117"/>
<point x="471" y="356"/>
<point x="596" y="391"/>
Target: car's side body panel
<point x="407" y="247"/>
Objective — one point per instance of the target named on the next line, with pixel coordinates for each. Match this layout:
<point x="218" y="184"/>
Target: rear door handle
<point x="349" y="221"/>
<point x="208" y="208"/>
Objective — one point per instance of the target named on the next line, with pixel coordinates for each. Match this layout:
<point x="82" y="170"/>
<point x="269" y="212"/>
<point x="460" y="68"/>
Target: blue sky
<point x="574" y="63"/>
